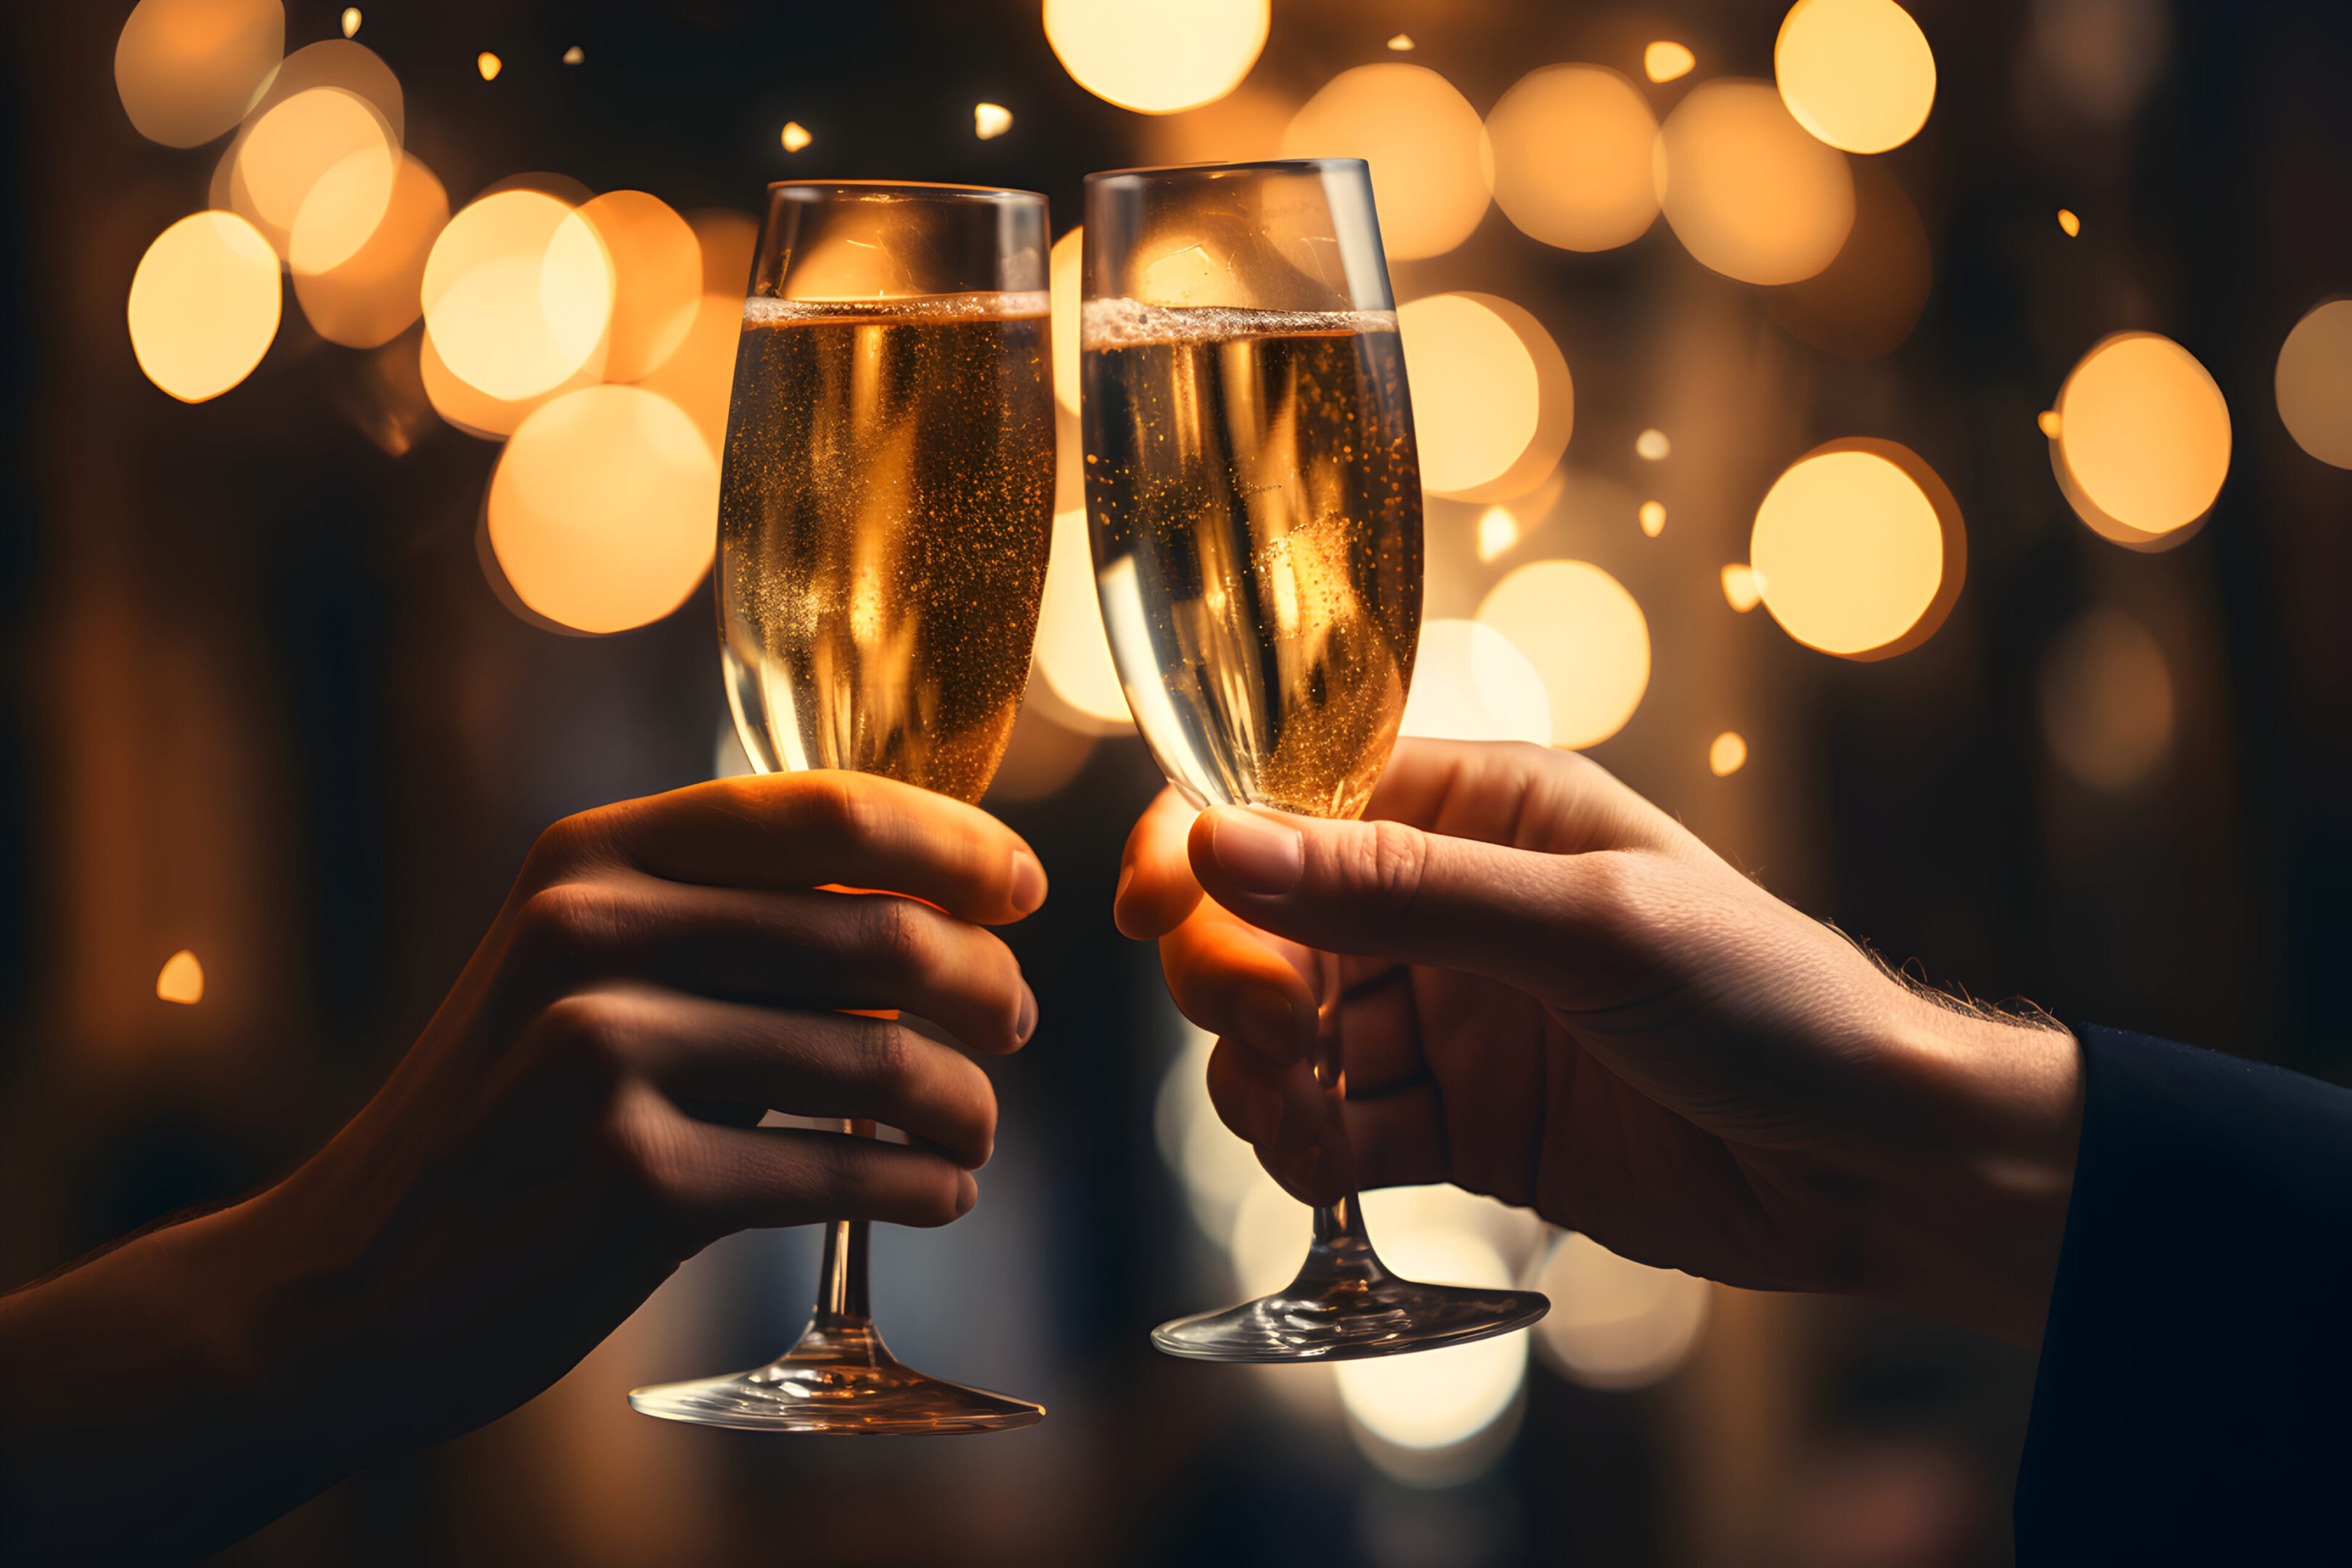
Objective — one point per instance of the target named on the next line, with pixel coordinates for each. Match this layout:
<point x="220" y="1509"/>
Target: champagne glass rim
<point x="905" y="190"/>
<point x="1214" y="170"/>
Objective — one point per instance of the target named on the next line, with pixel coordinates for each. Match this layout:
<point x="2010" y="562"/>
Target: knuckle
<point x="642" y="1149"/>
<point x="565" y="845"/>
<point x="837" y="807"/>
<point x="573" y="920"/>
<point x="894" y="935"/>
<point x="1389" y="863"/>
<point x="592" y="1033"/>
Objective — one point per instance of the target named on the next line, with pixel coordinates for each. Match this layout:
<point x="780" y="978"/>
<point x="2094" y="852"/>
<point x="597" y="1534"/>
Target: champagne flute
<point x="1255" y="501"/>
<point x="885" y="513"/>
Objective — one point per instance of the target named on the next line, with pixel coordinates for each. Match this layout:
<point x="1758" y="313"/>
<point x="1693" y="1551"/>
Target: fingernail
<point x="1028" y="881"/>
<point x="1026" y="1025"/>
<point x="1266" y="1021"/>
<point x="1258" y="851"/>
<point x="967" y="1193"/>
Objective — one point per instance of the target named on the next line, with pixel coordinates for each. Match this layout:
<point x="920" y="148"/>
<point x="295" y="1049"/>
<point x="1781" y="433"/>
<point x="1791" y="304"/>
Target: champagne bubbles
<point x="1157" y="57"/>
<point x="657" y="280"/>
<point x="1571" y="151"/>
<point x="2143" y="441"/>
<point x="1586" y="640"/>
<point x="203" y="305"/>
<point x="181" y="980"/>
<point x="1431" y="161"/>
<point x="2106" y="701"/>
<point x="1858" y="549"/>
<point x="1470" y="682"/>
<point x="1750" y="192"/>
<point x="1615" y="1323"/>
<point x="2315" y="383"/>
<point x="189" y="70"/>
<point x="1492" y="399"/>
<point x="517" y="294"/>
<point x="1856" y="73"/>
<point x="372" y="294"/>
<point x="601" y="510"/>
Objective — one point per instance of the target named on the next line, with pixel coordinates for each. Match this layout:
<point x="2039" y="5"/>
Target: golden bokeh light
<point x="2143" y="440"/>
<point x="1470" y="682"/>
<point x="2047" y="423"/>
<point x="1073" y="653"/>
<point x="338" y="63"/>
<point x="1571" y="152"/>
<point x="574" y="56"/>
<point x="1402" y="43"/>
<point x="1242" y="127"/>
<point x="1041" y="757"/>
<point x="1856" y="73"/>
<point x="2101" y="56"/>
<point x="1651" y="446"/>
<point x="490" y="65"/>
<point x="699" y="376"/>
<point x="350" y="21"/>
<point x="1615" y="1323"/>
<point x="1492" y="400"/>
<point x="1858" y="549"/>
<point x="1498" y="531"/>
<point x="2106" y="701"/>
<point x="603" y="510"/>
<point x="203" y="305"/>
<point x="989" y="120"/>
<point x="1866" y="300"/>
<point x="189" y="70"/>
<point x="518" y="294"/>
<point x="2069" y="222"/>
<point x="1585" y="637"/>
<point x="313" y="172"/>
<point x="728" y="240"/>
<point x="1439" y="1397"/>
<point x="1652" y="517"/>
<point x="795" y="136"/>
<point x="1666" y="60"/>
<point x="1066" y="289"/>
<point x="657" y="280"/>
<point x="1157" y="57"/>
<point x="371" y="296"/>
<point x="1432" y="167"/>
<point x="1727" y="753"/>
<point x="1751" y="192"/>
<point x="182" y="979"/>
<point x="471" y="409"/>
<point x="1740" y="589"/>
<point x="2314" y="383"/>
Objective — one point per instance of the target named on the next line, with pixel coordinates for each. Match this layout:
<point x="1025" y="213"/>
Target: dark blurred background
<point x="264" y="704"/>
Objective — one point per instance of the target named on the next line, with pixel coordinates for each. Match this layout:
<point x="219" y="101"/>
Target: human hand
<point x="1555" y="994"/>
<point x="578" y="1118"/>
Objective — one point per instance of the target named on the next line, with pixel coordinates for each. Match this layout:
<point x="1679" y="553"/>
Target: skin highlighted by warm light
<point x="1858" y="74"/>
<point x="181" y="980"/>
<point x="371" y="296"/>
<point x="795" y="136"/>
<point x="2106" y="701"/>
<point x="2314" y="383"/>
<point x="1432" y="166"/>
<point x="1571" y="150"/>
<point x="350" y="21"/>
<point x="1740" y="589"/>
<point x="2069" y="222"/>
<point x="1615" y="1323"/>
<point x="601" y="510"/>
<point x="1858" y="549"/>
<point x="1666" y="60"/>
<point x="1652" y="517"/>
<point x="1157" y="57"/>
<point x="1651" y="446"/>
<point x="657" y="280"/>
<point x="518" y="294"/>
<point x="1073" y="653"/>
<point x="188" y="70"/>
<point x="203" y="305"/>
<point x="1727" y="754"/>
<point x="991" y="121"/>
<point x="2143" y="442"/>
<point x="1586" y="640"/>
<point x="1492" y="399"/>
<point x="1749" y="192"/>
<point x="1470" y="682"/>
<point x="490" y="65"/>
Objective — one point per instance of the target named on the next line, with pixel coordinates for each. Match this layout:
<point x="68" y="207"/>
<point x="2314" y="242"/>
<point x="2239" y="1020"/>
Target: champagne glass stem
<point x="841" y="1300"/>
<point x="1340" y="1236"/>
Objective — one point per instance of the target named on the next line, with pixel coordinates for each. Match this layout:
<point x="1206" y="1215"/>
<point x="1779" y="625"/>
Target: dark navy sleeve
<point x="2194" y="1403"/>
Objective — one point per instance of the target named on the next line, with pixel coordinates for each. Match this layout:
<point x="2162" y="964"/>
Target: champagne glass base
<point x="1350" y="1320"/>
<point x="842" y="1381"/>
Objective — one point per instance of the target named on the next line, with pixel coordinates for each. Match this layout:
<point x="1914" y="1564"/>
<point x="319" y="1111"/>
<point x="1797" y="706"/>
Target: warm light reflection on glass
<point x="203" y="305"/>
<point x="600" y="511"/>
<point x="1615" y="1323"/>
<point x="1471" y="683"/>
<point x="795" y="136"/>
<point x="182" y="979"/>
<point x="657" y="280"/>
<point x="1750" y="192"/>
<point x="2143" y="440"/>
<point x="1432" y="165"/>
<point x="1571" y="151"/>
<point x="490" y="65"/>
<point x="2314" y="383"/>
<point x="518" y="293"/>
<point x="350" y="21"/>
<point x="1727" y="753"/>
<point x="989" y="120"/>
<point x="1065" y="286"/>
<point x="1856" y="73"/>
<point x="372" y="298"/>
<point x="1852" y="548"/>
<point x="1153" y="55"/>
<point x="1652" y="445"/>
<point x="2067" y="221"/>
<point x="1666" y="60"/>
<point x="1741" y="591"/>
<point x="189" y="70"/>
<point x="1653" y="517"/>
<point x="1437" y="1398"/>
<point x="1073" y="654"/>
<point x="1586" y="640"/>
<point x="2106" y="701"/>
<point x="1476" y="397"/>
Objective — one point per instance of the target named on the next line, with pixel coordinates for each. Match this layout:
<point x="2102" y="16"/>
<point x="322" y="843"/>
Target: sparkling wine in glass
<point x="885" y="513"/>
<point x="1254" y="501"/>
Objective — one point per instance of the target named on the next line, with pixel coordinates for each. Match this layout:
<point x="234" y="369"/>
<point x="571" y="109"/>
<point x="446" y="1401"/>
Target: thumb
<point x="1384" y="889"/>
